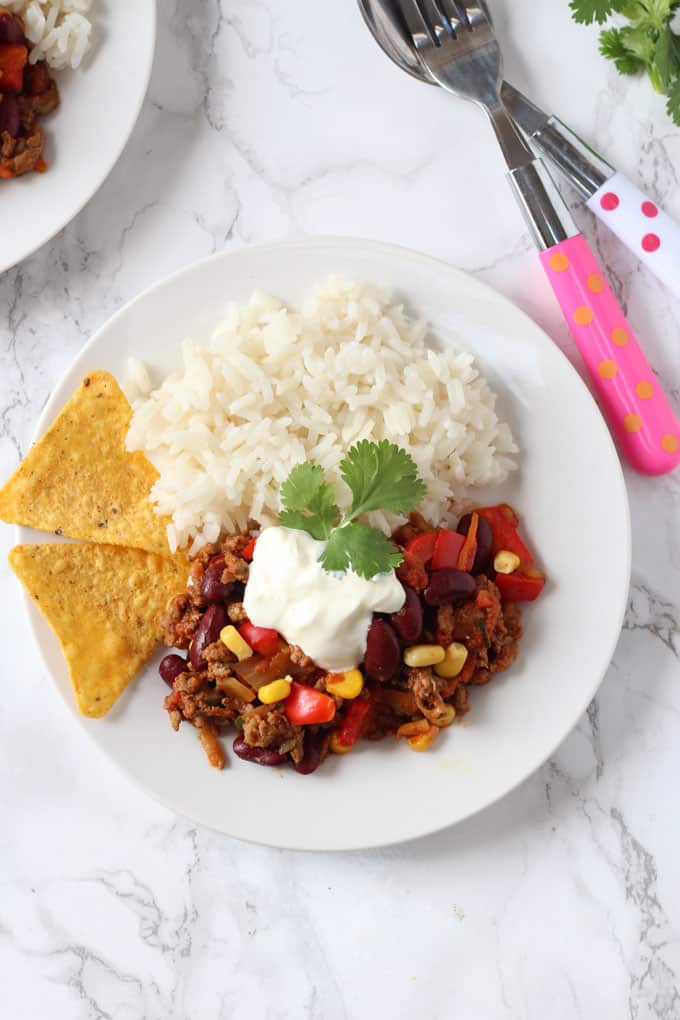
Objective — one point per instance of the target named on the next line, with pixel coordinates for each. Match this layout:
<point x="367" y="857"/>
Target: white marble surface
<point x="269" y="120"/>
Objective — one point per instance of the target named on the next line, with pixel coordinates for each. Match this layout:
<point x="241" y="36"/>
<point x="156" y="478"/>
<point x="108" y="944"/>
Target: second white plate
<point x="100" y="103"/>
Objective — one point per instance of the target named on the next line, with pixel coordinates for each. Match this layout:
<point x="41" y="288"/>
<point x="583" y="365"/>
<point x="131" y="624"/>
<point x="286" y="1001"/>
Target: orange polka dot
<point x="644" y="389"/>
<point x="620" y="336"/>
<point x="558" y="262"/>
<point x="607" y="369"/>
<point x="583" y="315"/>
<point x="632" y="423"/>
<point x="670" y="443"/>
<point x="595" y="283"/>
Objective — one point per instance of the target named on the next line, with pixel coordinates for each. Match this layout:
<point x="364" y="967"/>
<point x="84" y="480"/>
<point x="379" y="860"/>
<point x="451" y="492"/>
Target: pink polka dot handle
<point x="631" y="398"/>
<point x="644" y="228"/>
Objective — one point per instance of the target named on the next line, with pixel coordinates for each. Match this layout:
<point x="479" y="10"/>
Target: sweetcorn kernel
<point x="506" y="562"/>
<point x="230" y="637"/>
<point x="335" y="746"/>
<point x="423" y="655"/>
<point x="446" y="718"/>
<point x="423" y="740"/>
<point x="417" y="727"/>
<point x="454" y="659"/>
<point x="346" y="685"/>
<point x="277" y="690"/>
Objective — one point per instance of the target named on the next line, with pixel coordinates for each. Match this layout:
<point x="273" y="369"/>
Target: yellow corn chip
<point x="103" y="603"/>
<point x="80" y="481"/>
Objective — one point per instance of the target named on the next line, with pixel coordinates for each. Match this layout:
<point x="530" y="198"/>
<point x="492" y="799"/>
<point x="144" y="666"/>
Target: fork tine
<point x="414" y="23"/>
<point x="462" y="13"/>
<point x="453" y="17"/>
<point x="432" y="15"/>
<point x="474" y="12"/>
<point x="420" y="31"/>
<point x="441" y="8"/>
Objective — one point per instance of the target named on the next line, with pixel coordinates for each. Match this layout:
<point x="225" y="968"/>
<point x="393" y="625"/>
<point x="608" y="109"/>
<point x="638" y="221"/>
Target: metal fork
<point x="455" y="41"/>
<point x="457" y="45"/>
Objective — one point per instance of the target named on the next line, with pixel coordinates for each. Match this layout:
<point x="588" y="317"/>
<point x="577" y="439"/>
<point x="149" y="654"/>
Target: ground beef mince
<point x="179" y="622"/>
<point x="221" y="688"/>
<point x="237" y="613"/>
<point x="267" y="726"/>
<point x="22" y="154"/>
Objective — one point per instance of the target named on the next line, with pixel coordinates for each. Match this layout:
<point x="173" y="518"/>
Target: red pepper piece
<point x="263" y="639"/>
<point x="354" y="724"/>
<point x="524" y="585"/>
<point x="466" y="559"/>
<point x="447" y="549"/>
<point x="305" y="706"/>
<point x="422" y="546"/>
<point x="503" y="522"/>
<point x="13" y="57"/>
<point x="249" y="550"/>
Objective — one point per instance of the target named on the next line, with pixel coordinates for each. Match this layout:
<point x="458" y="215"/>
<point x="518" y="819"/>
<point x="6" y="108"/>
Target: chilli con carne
<point x="27" y="93"/>
<point x="459" y="626"/>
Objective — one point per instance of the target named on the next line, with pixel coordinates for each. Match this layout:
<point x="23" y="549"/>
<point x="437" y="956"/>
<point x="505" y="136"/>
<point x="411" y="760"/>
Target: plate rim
<point x="54" y="405"/>
<point x="32" y="247"/>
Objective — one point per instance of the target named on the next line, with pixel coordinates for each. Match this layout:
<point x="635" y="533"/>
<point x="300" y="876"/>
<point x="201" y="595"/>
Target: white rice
<point x="58" y="30"/>
<point x="274" y="387"/>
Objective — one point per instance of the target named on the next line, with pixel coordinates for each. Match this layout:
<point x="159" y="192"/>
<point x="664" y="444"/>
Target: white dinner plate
<point x="569" y="491"/>
<point x="100" y="102"/>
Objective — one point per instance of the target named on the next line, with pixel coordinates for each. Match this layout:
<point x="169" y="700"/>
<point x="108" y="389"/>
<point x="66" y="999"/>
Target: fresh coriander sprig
<point x="380" y="476"/>
<point x="648" y="43"/>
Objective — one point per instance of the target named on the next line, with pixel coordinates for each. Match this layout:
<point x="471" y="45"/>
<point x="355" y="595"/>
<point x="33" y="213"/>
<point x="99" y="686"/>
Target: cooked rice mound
<point x="275" y="386"/>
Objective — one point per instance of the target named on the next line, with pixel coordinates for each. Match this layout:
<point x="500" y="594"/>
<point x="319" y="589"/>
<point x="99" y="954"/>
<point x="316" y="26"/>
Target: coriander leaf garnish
<point x="649" y="42"/>
<point x="366" y="550"/>
<point x="667" y="56"/>
<point x="588" y="11"/>
<point x="308" y="500"/>
<point x="380" y="476"/>
<point x="613" y="47"/>
<point x="673" y="104"/>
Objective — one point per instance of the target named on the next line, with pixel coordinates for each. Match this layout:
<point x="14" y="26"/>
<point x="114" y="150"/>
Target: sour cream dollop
<point x="327" y="615"/>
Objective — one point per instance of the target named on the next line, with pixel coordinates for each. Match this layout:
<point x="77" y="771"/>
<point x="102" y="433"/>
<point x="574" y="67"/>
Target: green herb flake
<point x="481" y="627"/>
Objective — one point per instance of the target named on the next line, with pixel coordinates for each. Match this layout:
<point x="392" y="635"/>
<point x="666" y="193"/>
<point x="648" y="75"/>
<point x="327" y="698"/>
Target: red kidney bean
<point x="260" y="755"/>
<point x="311" y="758"/>
<point x="456" y="586"/>
<point x="408" y="622"/>
<point x="383" y="654"/>
<point x="482" y="562"/>
<point x="208" y="631"/>
<point x="10" y="120"/>
<point x="10" y="29"/>
<point x="212" y="588"/>
<point x="171" y="666"/>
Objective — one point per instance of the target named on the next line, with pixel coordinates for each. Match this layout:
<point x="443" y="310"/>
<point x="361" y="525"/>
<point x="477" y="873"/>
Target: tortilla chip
<point x="80" y="481"/>
<point x="104" y="604"/>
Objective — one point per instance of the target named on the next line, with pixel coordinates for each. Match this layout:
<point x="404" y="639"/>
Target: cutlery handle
<point x="631" y="398"/>
<point x="644" y="228"/>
